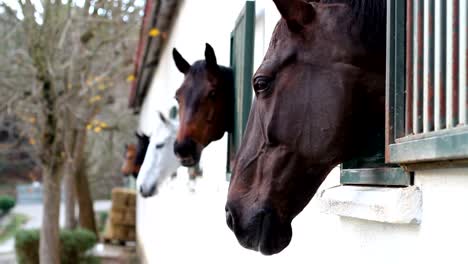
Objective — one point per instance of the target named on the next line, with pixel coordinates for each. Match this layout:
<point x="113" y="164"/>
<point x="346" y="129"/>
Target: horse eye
<point x="261" y="84"/>
<point x="212" y="94"/>
<point x="158" y="146"/>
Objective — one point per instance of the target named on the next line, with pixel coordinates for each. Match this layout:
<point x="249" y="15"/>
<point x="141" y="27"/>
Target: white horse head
<point x="160" y="161"/>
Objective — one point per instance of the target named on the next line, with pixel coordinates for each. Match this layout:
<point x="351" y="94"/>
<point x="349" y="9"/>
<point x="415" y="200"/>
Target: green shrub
<point x="27" y="246"/>
<point x="74" y="245"/>
<point x="6" y="203"/>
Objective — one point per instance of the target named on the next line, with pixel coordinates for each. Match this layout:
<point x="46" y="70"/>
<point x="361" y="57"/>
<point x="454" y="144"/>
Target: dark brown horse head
<point x="205" y="105"/>
<point x="319" y="94"/>
<point x="134" y="155"/>
<point x="128" y="167"/>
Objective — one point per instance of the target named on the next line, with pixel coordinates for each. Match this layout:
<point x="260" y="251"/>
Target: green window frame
<point x="428" y="108"/>
<point x="242" y="55"/>
<point x="426" y="94"/>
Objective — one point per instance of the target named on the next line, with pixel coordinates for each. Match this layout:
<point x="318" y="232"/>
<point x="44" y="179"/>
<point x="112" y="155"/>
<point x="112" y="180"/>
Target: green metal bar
<point x="390" y="97"/>
<point x="455" y="57"/>
<point x="442" y="63"/>
<point x="242" y="64"/>
<point x="376" y="176"/>
<point x="399" y="68"/>
<point x="396" y="74"/>
<point x="230" y="136"/>
<point x="419" y="66"/>
<point x="242" y="48"/>
<point x="409" y="67"/>
<point x="235" y="67"/>
<point x="248" y="61"/>
<point x="430" y="53"/>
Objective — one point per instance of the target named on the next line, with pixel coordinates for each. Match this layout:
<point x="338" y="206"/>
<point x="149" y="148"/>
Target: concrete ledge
<point x="388" y="205"/>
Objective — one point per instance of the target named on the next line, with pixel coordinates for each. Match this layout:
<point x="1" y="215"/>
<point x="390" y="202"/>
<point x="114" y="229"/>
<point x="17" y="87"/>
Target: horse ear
<point x="180" y="62"/>
<point x="163" y="119"/>
<point x="297" y="13"/>
<point x="210" y="56"/>
<point x="138" y="135"/>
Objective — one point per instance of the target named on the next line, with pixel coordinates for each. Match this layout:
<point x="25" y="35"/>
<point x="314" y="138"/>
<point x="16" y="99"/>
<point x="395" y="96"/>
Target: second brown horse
<point x="205" y="105"/>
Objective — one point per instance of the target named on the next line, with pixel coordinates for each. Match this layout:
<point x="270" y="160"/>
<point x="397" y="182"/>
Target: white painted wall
<point x="178" y="226"/>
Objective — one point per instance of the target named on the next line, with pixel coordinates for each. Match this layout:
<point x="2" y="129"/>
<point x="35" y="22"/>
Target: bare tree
<point x="58" y="65"/>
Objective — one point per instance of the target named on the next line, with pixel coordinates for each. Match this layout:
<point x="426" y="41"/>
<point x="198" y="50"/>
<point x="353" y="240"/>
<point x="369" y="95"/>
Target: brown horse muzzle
<point x="262" y="231"/>
<point x="188" y="151"/>
<point x="257" y="210"/>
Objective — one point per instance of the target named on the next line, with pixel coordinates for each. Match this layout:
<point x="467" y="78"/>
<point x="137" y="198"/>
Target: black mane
<point x="370" y="16"/>
<point x="142" y="146"/>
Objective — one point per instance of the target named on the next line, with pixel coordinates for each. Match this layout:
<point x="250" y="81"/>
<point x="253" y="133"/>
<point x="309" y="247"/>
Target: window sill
<point x="387" y="205"/>
<point x="446" y="146"/>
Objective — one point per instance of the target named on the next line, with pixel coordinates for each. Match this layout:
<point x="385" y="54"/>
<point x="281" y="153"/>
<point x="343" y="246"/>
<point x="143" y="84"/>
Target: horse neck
<point x="227" y="75"/>
<point x="368" y="134"/>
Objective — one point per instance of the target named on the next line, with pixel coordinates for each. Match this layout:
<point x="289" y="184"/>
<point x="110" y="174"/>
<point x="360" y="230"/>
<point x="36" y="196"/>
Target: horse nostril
<point x="153" y="190"/>
<point x="185" y="148"/>
<point x="176" y="148"/>
<point x="229" y="219"/>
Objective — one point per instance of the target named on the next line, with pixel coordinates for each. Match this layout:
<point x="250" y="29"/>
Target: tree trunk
<point x="50" y="155"/>
<point x="85" y="203"/>
<point x="69" y="179"/>
<point x="70" y="200"/>
<point x="49" y="249"/>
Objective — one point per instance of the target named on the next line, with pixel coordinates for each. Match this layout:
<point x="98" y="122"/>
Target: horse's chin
<point x="271" y="247"/>
<point x="266" y="236"/>
<point x="267" y="244"/>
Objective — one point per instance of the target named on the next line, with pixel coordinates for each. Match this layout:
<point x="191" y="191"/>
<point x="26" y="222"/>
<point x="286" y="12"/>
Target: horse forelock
<point x="224" y="73"/>
<point x="198" y="67"/>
